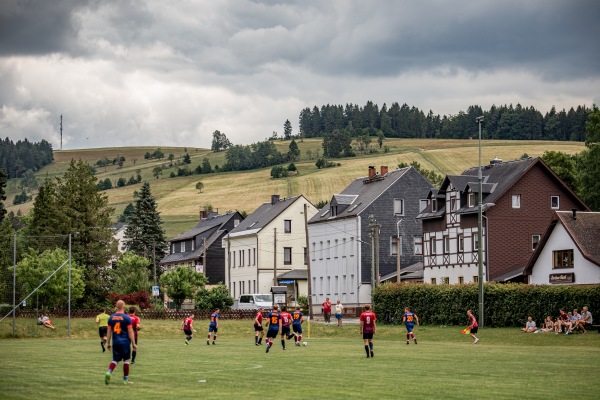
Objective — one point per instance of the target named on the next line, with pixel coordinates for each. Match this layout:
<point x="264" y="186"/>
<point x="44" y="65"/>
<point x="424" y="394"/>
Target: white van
<point x="254" y="302"/>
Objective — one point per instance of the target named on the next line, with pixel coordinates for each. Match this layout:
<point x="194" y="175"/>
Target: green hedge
<point x="505" y="304"/>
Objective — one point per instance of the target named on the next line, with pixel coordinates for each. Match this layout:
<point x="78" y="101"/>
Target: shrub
<point x="140" y="299"/>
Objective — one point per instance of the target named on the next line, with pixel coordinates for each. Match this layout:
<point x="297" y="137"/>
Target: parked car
<point x="253" y="302"/>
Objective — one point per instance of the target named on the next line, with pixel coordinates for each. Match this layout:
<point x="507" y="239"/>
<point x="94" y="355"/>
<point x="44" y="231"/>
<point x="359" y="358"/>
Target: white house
<point x="265" y="247"/>
<point x="569" y="251"/>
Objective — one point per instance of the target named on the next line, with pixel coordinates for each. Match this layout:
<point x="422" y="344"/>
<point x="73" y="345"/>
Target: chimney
<point x="496" y="160"/>
<point x="372" y="172"/>
<point x="203" y="213"/>
<point x="274" y="199"/>
<point x="384" y="170"/>
<point x="574" y="214"/>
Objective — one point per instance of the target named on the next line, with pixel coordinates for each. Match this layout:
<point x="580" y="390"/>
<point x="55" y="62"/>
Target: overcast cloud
<point x="162" y="73"/>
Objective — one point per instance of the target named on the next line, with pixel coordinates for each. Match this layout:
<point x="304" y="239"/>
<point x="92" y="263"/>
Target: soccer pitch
<point x="506" y="364"/>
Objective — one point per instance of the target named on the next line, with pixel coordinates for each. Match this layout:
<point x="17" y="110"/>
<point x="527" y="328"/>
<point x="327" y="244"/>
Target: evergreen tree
<point x="293" y="151"/>
<point x="287" y="130"/>
<point x="3" y="181"/>
<point x="187" y="159"/>
<point x="144" y="233"/>
<point x="6" y="246"/>
<point x="206" y="167"/>
<point x="127" y="213"/>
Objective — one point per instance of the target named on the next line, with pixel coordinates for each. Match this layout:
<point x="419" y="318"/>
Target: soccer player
<point x="286" y="321"/>
<point x="188" y="328"/>
<point x="298" y="319"/>
<point x="213" y="326"/>
<point x="409" y="319"/>
<point x="274" y="323"/>
<point x="259" y="331"/>
<point x="473" y="325"/>
<point x="120" y="331"/>
<point x="102" y="321"/>
<point x="327" y="310"/>
<point x="137" y="325"/>
<point x="367" y="329"/>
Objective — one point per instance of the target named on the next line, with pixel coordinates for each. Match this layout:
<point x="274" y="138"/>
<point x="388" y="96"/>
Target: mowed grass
<point x="506" y="364"/>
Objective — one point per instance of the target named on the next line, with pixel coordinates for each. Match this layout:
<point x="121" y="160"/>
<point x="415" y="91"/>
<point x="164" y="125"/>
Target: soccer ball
<point x="305" y="343"/>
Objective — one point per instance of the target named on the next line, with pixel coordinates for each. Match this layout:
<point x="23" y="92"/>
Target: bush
<point x="279" y="172"/>
<point x="217" y="297"/>
<point x="140" y="299"/>
<point x="506" y="305"/>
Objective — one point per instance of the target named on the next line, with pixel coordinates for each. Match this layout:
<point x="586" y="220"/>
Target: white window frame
<point x="461" y="243"/>
<point x="534" y="242"/>
<point x="398" y="206"/>
<point x="446" y="243"/>
<point x="552" y="206"/>
<point x="394" y="245"/>
<point x="423" y="204"/>
<point x="287" y="256"/>
<point x="516" y="201"/>
<point x="418" y="245"/>
<point x="433" y="205"/>
<point x="432" y="246"/>
<point x="287" y="226"/>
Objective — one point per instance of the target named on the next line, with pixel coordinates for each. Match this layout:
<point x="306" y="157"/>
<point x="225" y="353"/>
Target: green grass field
<point x="506" y="364"/>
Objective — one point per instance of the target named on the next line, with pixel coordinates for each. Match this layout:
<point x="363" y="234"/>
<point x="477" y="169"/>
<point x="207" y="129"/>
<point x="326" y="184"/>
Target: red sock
<point x="412" y="335"/>
<point x="299" y="338"/>
<point x="408" y="336"/>
<point x="112" y="366"/>
<point x="208" y="338"/>
<point x="214" y="338"/>
<point x="125" y="369"/>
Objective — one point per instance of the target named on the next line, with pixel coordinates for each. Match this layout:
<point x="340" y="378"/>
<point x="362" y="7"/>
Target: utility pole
<point x="479" y="120"/>
<point x="61" y="131"/>
<point x="274" y="256"/>
<point x="372" y="227"/>
<point x="204" y="258"/>
<point x="154" y="261"/>
<point x="377" y="277"/>
<point x="308" y="266"/>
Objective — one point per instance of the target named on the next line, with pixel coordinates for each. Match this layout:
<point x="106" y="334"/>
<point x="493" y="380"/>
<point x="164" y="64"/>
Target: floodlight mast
<point x="480" y="277"/>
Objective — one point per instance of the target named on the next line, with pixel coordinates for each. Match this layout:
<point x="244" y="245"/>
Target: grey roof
<point x="365" y="193"/>
<point x="412" y="272"/>
<point x="204" y="225"/>
<point x="344" y="199"/>
<point x="197" y="252"/>
<point x="296" y="274"/>
<point x="264" y="214"/>
<point x="460" y="182"/>
<point x="509" y="275"/>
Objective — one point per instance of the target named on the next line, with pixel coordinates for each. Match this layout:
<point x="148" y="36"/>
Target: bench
<point x="596" y="326"/>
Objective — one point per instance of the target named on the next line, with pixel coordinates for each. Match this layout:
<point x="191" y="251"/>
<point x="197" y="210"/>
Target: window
<point x="516" y="201"/>
<point x="555" y="202"/>
<point x="445" y="280"/>
<point x="562" y="259"/>
<point x="321" y="250"/>
<point x="461" y="243"/>
<point x="535" y="239"/>
<point x="432" y="246"/>
<point x="236" y="222"/>
<point x="328" y="250"/>
<point x="418" y="240"/>
<point x="335" y="249"/>
<point x="398" y="206"/>
<point x="446" y="245"/>
<point x="352" y="246"/>
<point x="461" y="279"/>
<point x="476" y="242"/>
<point x="248" y="265"/>
<point x="242" y="287"/>
<point x="453" y="204"/>
<point x="233" y="284"/>
<point x="287" y="225"/>
<point x="233" y="259"/>
<point x="334" y="211"/>
<point x="305" y="255"/>
<point x="287" y="255"/>
<point x="313" y="250"/>
<point x="344" y="247"/>
<point x="475" y="278"/>
<point x="433" y="205"/>
<point x="422" y="204"/>
<point x="471" y="199"/>
<point x="394" y="245"/>
<point x="433" y="281"/>
<point x="254" y="256"/>
<point x="241" y="258"/>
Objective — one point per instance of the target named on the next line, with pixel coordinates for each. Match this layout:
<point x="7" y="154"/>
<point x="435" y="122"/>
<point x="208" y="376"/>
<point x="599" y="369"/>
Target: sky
<point x="171" y="72"/>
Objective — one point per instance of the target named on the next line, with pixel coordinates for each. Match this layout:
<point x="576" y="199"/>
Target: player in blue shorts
<point x="213" y="327"/>
<point x="297" y="320"/>
<point x="274" y="323"/>
<point x="409" y="319"/>
<point x="120" y="330"/>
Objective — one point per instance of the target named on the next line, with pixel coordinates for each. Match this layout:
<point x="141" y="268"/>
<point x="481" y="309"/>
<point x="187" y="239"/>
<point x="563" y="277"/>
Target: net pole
<point x="14" y="284"/>
<point x="69" y="303"/>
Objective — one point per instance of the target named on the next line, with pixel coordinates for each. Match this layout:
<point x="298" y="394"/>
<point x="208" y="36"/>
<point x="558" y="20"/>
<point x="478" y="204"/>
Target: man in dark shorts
<point x="298" y="319"/>
<point x="137" y="325"/>
<point x="286" y="321"/>
<point x="102" y="321"/>
<point x="473" y="325"/>
<point x="188" y="328"/>
<point x="213" y="327"/>
<point x="274" y="323"/>
<point x="259" y="331"/>
<point x="120" y="330"/>
<point x="367" y="329"/>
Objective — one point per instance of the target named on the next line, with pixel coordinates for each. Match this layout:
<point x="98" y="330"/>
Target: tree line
<point x="17" y="158"/>
<point x="506" y="122"/>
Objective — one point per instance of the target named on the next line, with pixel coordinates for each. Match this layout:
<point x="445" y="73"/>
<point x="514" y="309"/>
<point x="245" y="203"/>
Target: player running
<point x="120" y="330"/>
<point x="258" y="328"/>
<point x="188" y="328"/>
<point x="213" y="326"/>
<point x="286" y="321"/>
<point x="409" y="319"/>
<point x="102" y="321"/>
<point x="473" y="325"/>
<point x="274" y="323"/>
<point x="298" y="319"/>
<point x="367" y="329"/>
<point x="137" y="325"/>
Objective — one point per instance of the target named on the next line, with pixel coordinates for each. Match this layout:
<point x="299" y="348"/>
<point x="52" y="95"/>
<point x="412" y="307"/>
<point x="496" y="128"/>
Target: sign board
<point x="279" y="298"/>
<point x="562" y="278"/>
<point x="200" y="268"/>
<point x="286" y="282"/>
<point x="155" y="291"/>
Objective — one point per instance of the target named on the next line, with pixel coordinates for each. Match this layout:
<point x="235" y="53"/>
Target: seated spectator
<point x="586" y="319"/>
<point x="44" y="320"/>
<point x="561" y="321"/>
<point x="529" y="325"/>
<point x="574" y="317"/>
<point x="548" y="325"/>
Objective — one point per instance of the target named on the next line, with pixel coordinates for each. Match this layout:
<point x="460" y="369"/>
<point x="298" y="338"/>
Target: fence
<point x="147" y="314"/>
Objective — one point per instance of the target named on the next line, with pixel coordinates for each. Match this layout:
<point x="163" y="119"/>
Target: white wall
<point x="585" y="271"/>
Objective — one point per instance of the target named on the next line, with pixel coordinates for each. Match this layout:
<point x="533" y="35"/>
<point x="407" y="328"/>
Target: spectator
<point x="574" y="318"/>
<point x="44" y="320"/>
<point x="548" y="325"/>
<point x="586" y="319"/>
<point x="529" y="325"/>
<point x="562" y="320"/>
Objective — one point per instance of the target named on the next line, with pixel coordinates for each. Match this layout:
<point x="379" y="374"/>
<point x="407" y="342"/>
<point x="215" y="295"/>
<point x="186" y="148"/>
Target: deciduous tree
<point x="182" y="283"/>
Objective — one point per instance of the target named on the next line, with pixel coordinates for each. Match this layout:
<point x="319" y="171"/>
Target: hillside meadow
<point x="179" y="201"/>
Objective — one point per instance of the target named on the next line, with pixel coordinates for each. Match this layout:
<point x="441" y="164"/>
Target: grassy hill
<point x="179" y="202"/>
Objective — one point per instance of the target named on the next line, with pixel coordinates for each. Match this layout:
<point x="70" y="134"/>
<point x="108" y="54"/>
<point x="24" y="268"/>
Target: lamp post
<point x="479" y="120"/>
<point x="398" y="249"/>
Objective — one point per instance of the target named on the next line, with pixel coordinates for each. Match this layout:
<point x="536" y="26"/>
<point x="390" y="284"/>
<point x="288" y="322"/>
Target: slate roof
<point x="584" y="230"/>
<point x="195" y="254"/>
<point x="412" y="272"/>
<point x="263" y="215"/>
<point x="203" y="225"/>
<point x="296" y="274"/>
<point x="364" y="193"/>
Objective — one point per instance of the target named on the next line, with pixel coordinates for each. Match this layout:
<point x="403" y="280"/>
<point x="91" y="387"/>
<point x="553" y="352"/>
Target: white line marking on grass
<point x="256" y="366"/>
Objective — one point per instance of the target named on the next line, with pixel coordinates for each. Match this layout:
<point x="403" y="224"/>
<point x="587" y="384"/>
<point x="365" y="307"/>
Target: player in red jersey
<point x="327" y="310"/>
<point x="367" y="329"/>
<point x="473" y="325"/>
<point x="258" y="328"/>
<point x="274" y="324"/>
<point x="286" y="322"/>
<point x="137" y="325"/>
<point x="187" y="328"/>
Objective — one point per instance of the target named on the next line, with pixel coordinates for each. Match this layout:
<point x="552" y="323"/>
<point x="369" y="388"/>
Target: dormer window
<point x="471" y="199"/>
<point x="334" y="210"/>
<point x="433" y="205"/>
